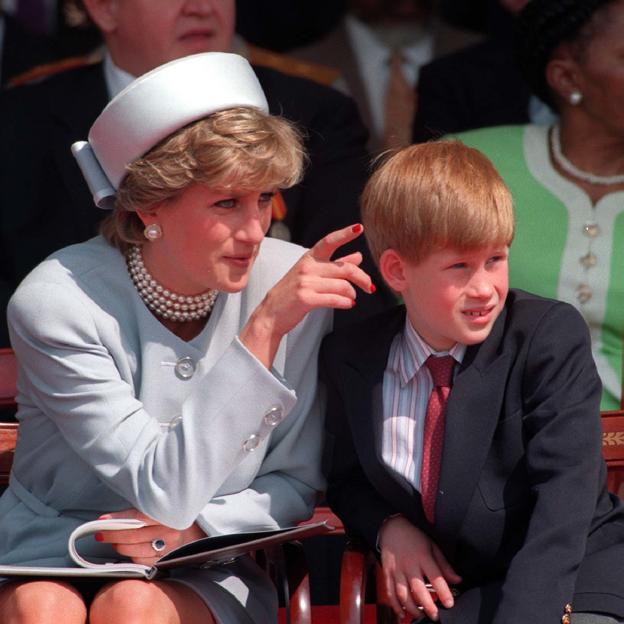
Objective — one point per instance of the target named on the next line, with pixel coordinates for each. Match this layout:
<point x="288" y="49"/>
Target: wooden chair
<point x="286" y="565"/>
<point x="359" y="564"/>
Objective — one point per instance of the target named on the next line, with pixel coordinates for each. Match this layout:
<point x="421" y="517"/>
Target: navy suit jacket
<point x="21" y="50"/>
<point x="522" y="513"/>
<point x="475" y="87"/>
<point x="45" y="203"/>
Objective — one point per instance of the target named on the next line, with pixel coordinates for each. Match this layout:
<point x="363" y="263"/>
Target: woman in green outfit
<point x="567" y="180"/>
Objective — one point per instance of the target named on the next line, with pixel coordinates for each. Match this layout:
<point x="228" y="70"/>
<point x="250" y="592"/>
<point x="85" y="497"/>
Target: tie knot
<point x="441" y="369"/>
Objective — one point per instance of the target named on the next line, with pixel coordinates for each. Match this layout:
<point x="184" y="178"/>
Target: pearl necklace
<point x="573" y="170"/>
<point x="162" y="301"/>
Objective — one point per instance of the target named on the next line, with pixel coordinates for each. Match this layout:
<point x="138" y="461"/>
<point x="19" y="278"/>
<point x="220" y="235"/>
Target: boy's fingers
<point x="423" y="598"/>
<point x="325" y="248"/>
<point x="397" y="607"/>
<point x="446" y="568"/>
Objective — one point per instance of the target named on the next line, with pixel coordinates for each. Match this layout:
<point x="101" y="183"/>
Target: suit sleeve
<point x="563" y="458"/>
<point x="441" y="105"/>
<point x="286" y="488"/>
<point x="349" y="492"/>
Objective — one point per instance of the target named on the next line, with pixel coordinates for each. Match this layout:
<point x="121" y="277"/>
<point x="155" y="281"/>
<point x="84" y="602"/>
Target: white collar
<point x="414" y="352"/>
<point x="369" y="49"/>
<point x="116" y="78"/>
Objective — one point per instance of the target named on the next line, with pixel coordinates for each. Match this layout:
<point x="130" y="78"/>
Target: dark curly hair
<point x="542" y="26"/>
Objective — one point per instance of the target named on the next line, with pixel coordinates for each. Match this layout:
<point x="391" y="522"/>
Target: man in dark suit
<point x="478" y="86"/>
<point x="45" y="204"/>
<point x="19" y="49"/>
<point x="492" y="479"/>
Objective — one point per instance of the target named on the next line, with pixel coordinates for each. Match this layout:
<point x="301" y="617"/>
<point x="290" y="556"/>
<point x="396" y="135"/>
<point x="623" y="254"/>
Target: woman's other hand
<point x="138" y="544"/>
<point x="315" y="281"/>
<point x="410" y="560"/>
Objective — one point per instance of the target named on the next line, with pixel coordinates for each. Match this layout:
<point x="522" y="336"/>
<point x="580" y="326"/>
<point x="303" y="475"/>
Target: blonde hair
<point x="435" y="195"/>
<point x="242" y="149"/>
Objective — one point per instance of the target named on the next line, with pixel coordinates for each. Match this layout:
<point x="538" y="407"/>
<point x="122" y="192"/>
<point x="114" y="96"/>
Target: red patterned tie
<point x="441" y="369"/>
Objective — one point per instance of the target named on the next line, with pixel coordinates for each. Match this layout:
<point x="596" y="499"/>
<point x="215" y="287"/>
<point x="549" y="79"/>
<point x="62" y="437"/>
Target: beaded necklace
<point x="162" y="301"/>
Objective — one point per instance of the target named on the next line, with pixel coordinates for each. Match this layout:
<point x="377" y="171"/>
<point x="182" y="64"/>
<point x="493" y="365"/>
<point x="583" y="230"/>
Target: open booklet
<point x="204" y="552"/>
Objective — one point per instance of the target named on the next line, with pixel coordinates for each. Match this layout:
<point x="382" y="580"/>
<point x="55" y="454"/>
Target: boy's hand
<point x="410" y="560"/>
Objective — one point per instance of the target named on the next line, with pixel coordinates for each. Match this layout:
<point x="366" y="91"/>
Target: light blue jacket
<point x="116" y="411"/>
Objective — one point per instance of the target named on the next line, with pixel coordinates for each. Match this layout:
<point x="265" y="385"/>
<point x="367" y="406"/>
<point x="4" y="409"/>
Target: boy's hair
<point x="242" y="149"/>
<point x="435" y="195"/>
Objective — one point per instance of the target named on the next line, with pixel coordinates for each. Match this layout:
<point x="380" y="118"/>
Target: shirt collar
<point x="370" y="50"/>
<point x="116" y="78"/>
<point x="414" y="351"/>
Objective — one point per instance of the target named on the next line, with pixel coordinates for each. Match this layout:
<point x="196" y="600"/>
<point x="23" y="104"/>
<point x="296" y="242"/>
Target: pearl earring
<point x="576" y="97"/>
<point x="152" y="232"/>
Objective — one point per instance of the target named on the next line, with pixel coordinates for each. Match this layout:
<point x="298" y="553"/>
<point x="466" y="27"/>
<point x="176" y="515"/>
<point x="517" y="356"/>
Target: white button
<point x="174" y="422"/>
<point x="251" y="443"/>
<point x="274" y="416"/>
<point x="185" y="368"/>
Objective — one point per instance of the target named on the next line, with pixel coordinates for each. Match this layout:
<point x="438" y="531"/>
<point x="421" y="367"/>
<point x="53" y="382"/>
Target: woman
<point x="167" y="369"/>
<point x="568" y="180"/>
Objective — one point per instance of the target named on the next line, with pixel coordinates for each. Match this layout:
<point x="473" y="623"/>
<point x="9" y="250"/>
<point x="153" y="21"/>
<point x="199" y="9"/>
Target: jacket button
<point x="185" y="368"/>
<point x="251" y="443"/>
<point x="274" y="416"/>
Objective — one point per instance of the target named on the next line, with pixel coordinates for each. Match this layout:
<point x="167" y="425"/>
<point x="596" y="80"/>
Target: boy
<point x="492" y="481"/>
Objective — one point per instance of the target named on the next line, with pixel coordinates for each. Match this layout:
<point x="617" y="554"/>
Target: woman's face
<point x="600" y="69"/>
<point x="210" y="239"/>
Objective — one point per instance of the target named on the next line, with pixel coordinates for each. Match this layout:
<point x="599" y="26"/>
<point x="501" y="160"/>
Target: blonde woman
<point x="167" y="369"/>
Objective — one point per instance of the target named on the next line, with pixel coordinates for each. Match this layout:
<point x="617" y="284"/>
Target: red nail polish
<point x="373" y="288"/>
<point x="99" y="537"/>
<point x="356" y="229"/>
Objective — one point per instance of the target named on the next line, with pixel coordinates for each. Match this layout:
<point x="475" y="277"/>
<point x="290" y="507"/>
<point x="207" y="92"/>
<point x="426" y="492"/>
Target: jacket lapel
<point x="363" y="372"/>
<point x="472" y="414"/>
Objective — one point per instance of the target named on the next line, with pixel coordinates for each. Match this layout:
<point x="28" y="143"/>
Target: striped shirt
<point x="407" y="385"/>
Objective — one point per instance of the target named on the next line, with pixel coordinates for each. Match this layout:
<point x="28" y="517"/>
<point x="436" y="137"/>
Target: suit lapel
<point x="363" y="381"/>
<point x="473" y="412"/>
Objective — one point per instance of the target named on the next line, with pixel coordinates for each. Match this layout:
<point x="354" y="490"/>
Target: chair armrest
<point x="354" y="570"/>
<point x="359" y="564"/>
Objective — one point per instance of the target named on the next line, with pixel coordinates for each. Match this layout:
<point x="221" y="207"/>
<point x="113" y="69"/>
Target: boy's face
<point x="451" y="296"/>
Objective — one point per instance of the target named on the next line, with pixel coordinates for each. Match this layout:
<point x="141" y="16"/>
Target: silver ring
<point x="159" y="544"/>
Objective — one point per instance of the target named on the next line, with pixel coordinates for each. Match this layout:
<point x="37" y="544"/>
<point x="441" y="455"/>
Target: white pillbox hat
<point x="156" y="105"/>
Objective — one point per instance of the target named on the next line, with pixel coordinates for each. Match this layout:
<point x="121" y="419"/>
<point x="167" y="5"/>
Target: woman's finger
<point x="338" y="269"/>
<point x="133" y="536"/>
<point x="143" y="550"/>
<point x="325" y="248"/>
<point x="354" y="258"/>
